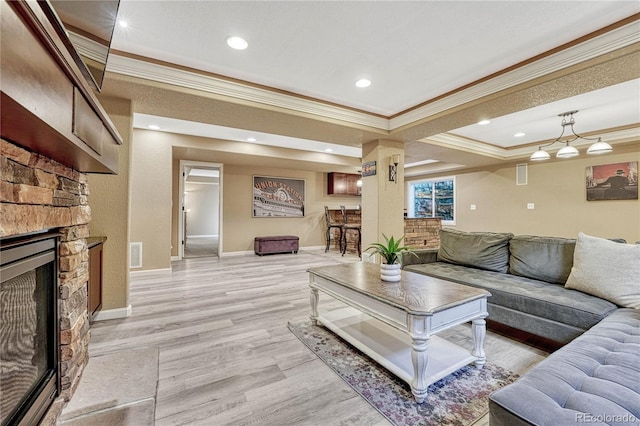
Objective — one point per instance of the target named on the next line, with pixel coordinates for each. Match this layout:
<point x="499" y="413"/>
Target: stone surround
<point x="37" y="194"/>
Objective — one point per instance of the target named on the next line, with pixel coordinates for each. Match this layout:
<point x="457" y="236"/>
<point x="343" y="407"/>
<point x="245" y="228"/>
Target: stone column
<point x="382" y="199"/>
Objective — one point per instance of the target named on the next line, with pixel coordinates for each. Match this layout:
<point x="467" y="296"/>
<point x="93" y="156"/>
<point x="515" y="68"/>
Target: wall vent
<point x="521" y="174"/>
<point x="135" y="255"/>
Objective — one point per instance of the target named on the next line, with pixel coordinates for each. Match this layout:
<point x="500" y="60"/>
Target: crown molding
<point x="449" y="140"/>
<point x="608" y="42"/>
<point x="206" y="83"/>
<point x="597" y="46"/>
<point x="89" y="48"/>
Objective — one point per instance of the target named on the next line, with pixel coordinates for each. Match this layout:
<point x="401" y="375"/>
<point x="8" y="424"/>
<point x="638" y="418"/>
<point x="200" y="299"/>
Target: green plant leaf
<point x="390" y="250"/>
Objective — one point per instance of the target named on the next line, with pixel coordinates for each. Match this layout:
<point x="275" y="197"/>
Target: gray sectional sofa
<point x="535" y="286"/>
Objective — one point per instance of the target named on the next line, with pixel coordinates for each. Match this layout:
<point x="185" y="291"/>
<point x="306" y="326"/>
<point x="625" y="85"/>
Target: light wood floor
<point x="227" y="357"/>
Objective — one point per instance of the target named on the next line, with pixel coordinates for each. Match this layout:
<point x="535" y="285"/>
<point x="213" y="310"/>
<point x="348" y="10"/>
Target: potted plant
<point x="390" y="253"/>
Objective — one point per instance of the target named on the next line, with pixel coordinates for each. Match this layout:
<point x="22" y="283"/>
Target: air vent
<point x="521" y="174"/>
<point x="135" y="255"/>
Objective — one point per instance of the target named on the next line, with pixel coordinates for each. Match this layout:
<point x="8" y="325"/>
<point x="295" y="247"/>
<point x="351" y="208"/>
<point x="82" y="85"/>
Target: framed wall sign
<point x="616" y="181"/>
<point x="369" y="169"/>
<point x="278" y="197"/>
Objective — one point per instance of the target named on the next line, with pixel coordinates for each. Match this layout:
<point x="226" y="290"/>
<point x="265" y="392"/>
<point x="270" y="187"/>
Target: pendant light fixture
<point x="568" y="151"/>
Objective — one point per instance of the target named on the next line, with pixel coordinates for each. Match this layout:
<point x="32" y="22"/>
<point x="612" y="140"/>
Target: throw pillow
<point x="546" y="259"/>
<point x="606" y="269"/>
<point x="483" y="250"/>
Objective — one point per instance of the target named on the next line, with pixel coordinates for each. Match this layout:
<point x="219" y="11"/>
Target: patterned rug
<point x="458" y="399"/>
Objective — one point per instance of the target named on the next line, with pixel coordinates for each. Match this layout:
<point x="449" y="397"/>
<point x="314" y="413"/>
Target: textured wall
<point x="151" y="197"/>
<point x="109" y="202"/>
<point x="557" y="189"/>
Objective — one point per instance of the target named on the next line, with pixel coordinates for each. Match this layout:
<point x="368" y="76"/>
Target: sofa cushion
<point x="607" y="269"/>
<point x="522" y="294"/>
<point x="593" y="379"/>
<point x="541" y="258"/>
<point x="484" y="250"/>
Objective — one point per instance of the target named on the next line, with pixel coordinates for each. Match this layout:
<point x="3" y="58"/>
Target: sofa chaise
<point x="584" y="293"/>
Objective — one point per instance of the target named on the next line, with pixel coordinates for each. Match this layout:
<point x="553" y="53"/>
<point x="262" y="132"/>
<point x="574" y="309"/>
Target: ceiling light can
<point x="237" y="43"/>
<point x="363" y="82"/>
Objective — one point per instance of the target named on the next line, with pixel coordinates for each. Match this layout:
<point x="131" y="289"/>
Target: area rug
<point x="458" y="399"/>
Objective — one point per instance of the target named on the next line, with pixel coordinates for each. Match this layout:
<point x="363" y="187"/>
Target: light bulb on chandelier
<point x="568" y="151"/>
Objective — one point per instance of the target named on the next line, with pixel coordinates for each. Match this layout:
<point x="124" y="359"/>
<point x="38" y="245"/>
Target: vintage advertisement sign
<point x="278" y="197"/>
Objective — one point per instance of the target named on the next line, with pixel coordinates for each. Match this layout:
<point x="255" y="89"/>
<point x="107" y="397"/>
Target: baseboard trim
<point x="251" y="252"/>
<point x="112" y="314"/>
<point x="164" y="271"/>
<point x="174" y="258"/>
<point x="236" y="253"/>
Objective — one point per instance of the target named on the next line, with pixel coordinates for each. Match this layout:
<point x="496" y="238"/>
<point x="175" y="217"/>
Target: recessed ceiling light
<point x="251" y="139"/>
<point x="328" y="150"/>
<point x="123" y="24"/>
<point x="484" y="122"/>
<point x="237" y="43"/>
<point x="153" y="127"/>
<point x="363" y="82"/>
<point x="519" y="134"/>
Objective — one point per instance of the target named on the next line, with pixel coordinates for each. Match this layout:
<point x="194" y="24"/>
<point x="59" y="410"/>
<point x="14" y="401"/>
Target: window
<point x="433" y="198"/>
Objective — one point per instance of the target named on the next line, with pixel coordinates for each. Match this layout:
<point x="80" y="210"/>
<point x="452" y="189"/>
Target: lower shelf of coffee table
<point x="391" y="347"/>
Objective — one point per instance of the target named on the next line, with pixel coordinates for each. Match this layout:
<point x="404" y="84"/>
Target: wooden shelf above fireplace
<point x="47" y="104"/>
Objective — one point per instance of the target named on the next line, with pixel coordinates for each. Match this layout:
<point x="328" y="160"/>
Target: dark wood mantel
<point x="47" y="105"/>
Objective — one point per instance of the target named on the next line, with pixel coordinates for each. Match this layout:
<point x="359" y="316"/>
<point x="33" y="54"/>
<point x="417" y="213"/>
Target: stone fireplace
<point x="39" y="194"/>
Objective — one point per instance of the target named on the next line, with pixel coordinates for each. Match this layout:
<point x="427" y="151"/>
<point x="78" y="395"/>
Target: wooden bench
<point x="276" y="244"/>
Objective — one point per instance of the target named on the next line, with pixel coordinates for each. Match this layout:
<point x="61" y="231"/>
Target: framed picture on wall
<point x="278" y="197"/>
<point x="369" y="168"/>
<point x="616" y="181"/>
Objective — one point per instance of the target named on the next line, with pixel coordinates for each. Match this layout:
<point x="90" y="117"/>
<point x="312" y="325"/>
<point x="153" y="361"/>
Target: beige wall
<point x="151" y="181"/>
<point x="382" y="200"/>
<point x="109" y="202"/>
<point x="557" y="189"/>
<point x="239" y="228"/>
<point x="155" y="200"/>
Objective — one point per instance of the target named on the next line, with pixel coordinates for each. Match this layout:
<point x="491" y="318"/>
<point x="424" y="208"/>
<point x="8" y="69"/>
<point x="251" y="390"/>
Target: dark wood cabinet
<point x="343" y="184"/>
<point x="94" y="287"/>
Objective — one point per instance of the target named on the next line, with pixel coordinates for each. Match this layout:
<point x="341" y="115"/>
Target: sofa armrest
<point x="421" y="256"/>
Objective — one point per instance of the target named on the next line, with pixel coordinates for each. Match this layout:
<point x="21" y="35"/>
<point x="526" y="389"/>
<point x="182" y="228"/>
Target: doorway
<point x="200" y="221"/>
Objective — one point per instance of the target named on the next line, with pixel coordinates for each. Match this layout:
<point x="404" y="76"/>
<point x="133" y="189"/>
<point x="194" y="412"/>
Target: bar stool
<point x="332" y="224"/>
<point x="351" y="227"/>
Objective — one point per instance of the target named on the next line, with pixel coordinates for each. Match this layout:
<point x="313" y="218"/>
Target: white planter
<point x="390" y="273"/>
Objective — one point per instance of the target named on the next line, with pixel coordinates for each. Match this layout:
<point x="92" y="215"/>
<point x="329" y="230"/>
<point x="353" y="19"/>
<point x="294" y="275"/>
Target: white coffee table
<point x="395" y="323"/>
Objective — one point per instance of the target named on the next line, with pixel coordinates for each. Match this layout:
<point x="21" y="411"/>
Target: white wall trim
<point x="181" y="236"/>
<point x="112" y="314"/>
<point x="237" y="253"/>
<point x="219" y="86"/>
<point x="605" y="43"/>
<point x="252" y="253"/>
<point x="313" y="248"/>
<point x="450" y="140"/>
<point x="174" y="258"/>
<point x="163" y="271"/>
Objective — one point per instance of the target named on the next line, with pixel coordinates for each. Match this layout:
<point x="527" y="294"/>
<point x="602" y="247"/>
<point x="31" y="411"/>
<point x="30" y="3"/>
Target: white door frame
<point x="184" y="164"/>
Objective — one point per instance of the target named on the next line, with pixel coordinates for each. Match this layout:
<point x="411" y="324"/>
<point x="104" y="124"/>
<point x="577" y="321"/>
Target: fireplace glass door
<point x="28" y="331"/>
